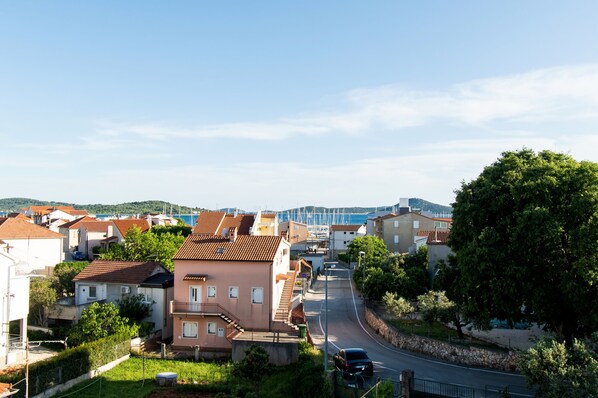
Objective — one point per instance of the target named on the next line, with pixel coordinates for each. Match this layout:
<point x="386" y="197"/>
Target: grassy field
<point x="135" y="378"/>
<point x="439" y="331"/>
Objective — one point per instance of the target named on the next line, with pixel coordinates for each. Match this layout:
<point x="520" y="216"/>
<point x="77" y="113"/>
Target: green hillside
<point x="159" y="206"/>
<point x="148" y="206"/>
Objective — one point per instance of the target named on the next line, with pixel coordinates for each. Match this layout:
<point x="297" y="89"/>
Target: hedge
<point x="69" y="364"/>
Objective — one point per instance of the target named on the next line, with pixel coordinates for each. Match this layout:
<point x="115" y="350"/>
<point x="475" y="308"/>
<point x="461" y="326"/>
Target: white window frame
<point x="396" y="239"/>
<point x="211" y="291"/>
<point x="416" y="224"/>
<point x="396" y="223"/>
<point x="190" y="324"/>
<point x="235" y="290"/>
<point x="95" y="294"/>
<point x="253" y="295"/>
<point x="211" y="328"/>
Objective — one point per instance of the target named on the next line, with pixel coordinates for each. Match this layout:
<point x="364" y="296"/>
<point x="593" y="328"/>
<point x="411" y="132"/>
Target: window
<point x="352" y="233"/>
<point x="233" y="292"/>
<point x="190" y="330"/>
<point x="257" y="295"/>
<point x="211" y="291"/>
<point x="397" y="224"/>
<point x="416" y="224"/>
<point x="396" y="238"/>
<point x="440" y="224"/>
<point x="211" y="327"/>
<point x="93" y="292"/>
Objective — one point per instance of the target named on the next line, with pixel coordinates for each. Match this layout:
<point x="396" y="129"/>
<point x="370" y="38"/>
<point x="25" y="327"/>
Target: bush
<point x="69" y="364"/>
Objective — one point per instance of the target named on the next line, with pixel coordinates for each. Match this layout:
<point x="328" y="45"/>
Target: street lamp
<point x="327" y="264"/>
<point x="362" y="253"/>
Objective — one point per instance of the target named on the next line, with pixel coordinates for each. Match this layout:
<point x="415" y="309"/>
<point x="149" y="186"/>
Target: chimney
<point x="404" y="206"/>
<point x="232" y="234"/>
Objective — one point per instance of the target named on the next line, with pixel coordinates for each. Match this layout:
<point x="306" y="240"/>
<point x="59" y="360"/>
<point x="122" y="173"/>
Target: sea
<point x="310" y="219"/>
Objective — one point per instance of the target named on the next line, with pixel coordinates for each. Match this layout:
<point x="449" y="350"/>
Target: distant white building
<point x="341" y="237"/>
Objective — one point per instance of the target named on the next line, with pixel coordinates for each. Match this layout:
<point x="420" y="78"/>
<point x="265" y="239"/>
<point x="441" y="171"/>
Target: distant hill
<point x="414" y="203"/>
<point x="148" y="206"/>
<point x="158" y="206"/>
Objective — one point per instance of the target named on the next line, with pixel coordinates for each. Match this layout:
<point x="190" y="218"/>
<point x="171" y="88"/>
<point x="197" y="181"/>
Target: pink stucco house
<point x="227" y="285"/>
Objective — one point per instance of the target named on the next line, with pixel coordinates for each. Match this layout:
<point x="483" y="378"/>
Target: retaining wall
<point x="471" y="356"/>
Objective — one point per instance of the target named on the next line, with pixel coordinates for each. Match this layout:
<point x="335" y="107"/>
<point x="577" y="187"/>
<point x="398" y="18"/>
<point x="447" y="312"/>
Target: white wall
<point x="14" y="302"/>
<point x="36" y="254"/>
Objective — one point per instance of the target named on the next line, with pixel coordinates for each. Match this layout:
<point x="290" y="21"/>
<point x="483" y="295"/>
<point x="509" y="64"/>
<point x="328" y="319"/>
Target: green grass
<point x="439" y="331"/>
<point x="136" y="378"/>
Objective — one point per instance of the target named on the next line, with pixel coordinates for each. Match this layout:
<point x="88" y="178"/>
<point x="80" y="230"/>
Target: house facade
<point x="400" y="232"/>
<point x="438" y="250"/>
<point x="110" y="281"/>
<point x="297" y="235"/>
<point x="341" y="237"/>
<point x="225" y="285"/>
<point x="14" y="289"/>
<point x="36" y="248"/>
<point x="71" y="232"/>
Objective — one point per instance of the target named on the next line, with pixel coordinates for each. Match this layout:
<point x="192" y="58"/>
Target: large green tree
<point x="525" y="235"/>
<point x="560" y="372"/>
<point x="42" y="297"/>
<point x="98" y="321"/>
<point x="145" y="246"/>
<point x="64" y="273"/>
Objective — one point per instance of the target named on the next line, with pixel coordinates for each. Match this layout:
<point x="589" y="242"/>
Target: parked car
<point x="354" y="360"/>
<point x="77" y="255"/>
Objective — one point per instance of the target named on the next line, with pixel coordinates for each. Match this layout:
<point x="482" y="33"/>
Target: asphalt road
<point x="347" y="328"/>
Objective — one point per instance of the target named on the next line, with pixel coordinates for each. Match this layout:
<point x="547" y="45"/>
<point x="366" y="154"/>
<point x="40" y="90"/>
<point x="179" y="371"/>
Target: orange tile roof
<point x="96" y="226"/>
<point x="350" y="227"/>
<point x="75" y="224"/>
<point x="18" y="215"/>
<point x="214" y="222"/>
<point x="242" y="223"/>
<point x="208" y="222"/>
<point x="218" y="248"/>
<point x="438" y="237"/>
<point x="449" y="220"/>
<point x="268" y="215"/>
<point x="77" y="212"/>
<point x="16" y="228"/>
<point x="384" y="217"/>
<point x="125" y="225"/>
<point x="118" y="271"/>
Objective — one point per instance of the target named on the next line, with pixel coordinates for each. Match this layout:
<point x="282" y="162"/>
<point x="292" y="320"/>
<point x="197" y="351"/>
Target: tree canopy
<point x="525" y="235"/>
<point x="64" y="273"/>
<point x="146" y="246"/>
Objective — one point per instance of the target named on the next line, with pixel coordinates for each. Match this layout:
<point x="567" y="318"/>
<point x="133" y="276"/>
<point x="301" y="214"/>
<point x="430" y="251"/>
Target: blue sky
<point x="273" y="104"/>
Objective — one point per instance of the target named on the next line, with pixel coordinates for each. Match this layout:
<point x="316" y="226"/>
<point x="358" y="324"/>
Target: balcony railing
<point x="204" y="309"/>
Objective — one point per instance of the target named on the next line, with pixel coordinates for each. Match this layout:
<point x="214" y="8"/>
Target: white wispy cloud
<point x="560" y="93"/>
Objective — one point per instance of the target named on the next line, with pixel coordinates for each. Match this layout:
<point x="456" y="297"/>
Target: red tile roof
<point x="350" y="227"/>
<point x="242" y="223"/>
<point x="16" y="228"/>
<point x="75" y="224"/>
<point x="448" y="220"/>
<point x="125" y="225"/>
<point x="96" y="226"/>
<point x="208" y="222"/>
<point x="217" y="248"/>
<point x="119" y="271"/>
<point x="77" y="212"/>
<point x="438" y="237"/>
<point x="214" y="222"/>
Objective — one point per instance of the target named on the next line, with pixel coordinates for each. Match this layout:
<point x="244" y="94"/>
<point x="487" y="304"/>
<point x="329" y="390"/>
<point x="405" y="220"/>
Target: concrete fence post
<point x="407" y="381"/>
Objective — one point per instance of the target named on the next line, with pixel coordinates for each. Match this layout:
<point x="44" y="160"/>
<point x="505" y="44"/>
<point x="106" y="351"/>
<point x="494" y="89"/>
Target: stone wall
<point x="462" y="355"/>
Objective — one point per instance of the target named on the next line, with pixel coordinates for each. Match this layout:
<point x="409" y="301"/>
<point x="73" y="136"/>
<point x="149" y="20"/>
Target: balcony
<point x="187" y="309"/>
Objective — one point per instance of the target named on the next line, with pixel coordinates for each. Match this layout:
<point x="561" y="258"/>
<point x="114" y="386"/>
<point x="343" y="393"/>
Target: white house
<point x="14" y="290"/>
<point x="341" y="236"/>
<point x="36" y="248"/>
<point x="110" y="281"/>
